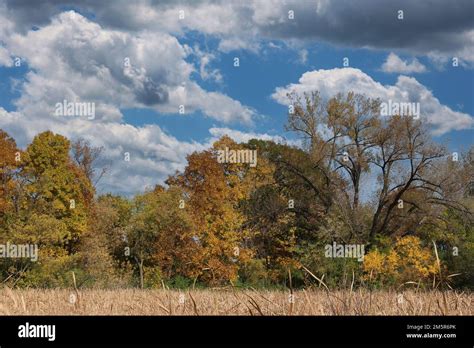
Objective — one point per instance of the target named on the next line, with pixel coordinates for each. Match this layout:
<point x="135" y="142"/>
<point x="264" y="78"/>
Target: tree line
<point x="356" y="179"/>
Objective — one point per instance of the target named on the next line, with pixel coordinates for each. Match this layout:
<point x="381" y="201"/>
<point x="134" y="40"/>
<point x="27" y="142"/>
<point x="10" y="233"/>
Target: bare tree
<point x="86" y="157"/>
<point x="347" y="138"/>
<point x="340" y="135"/>
<point x="405" y="158"/>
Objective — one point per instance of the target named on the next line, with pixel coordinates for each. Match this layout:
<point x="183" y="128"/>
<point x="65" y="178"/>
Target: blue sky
<point x="255" y="79"/>
<point x="75" y="52"/>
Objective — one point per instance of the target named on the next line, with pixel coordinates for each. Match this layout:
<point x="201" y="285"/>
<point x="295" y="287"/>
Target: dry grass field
<point x="229" y="302"/>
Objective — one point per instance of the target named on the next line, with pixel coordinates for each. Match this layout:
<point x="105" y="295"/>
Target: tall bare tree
<point x="347" y="138"/>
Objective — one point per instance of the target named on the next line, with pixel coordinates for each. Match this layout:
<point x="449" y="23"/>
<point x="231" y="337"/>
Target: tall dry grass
<point x="232" y="302"/>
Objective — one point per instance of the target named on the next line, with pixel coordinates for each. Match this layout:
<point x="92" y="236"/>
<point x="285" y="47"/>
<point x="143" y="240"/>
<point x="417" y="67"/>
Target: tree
<point x="160" y="235"/>
<point x="86" y="157"/>
<point x="51" y="211"/>
<point x="417" y="181"/>
<point x="346" y="136"/>
<point x="339" y="136"/>
<point x="55" y="186"/>
<point x="407" y="261"/>
<point x="350" y="121"/>
<point x="111" y="218"/>
<point x="286" y="210"/>
<point x="10" y="158"/>
<point x="214" y="191"/>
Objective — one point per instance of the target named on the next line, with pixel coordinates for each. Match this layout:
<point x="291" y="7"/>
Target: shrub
<point x="406" y="261"/>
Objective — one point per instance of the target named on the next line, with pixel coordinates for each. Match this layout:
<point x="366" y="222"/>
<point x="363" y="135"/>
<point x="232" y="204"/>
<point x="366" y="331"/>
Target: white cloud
<point x="443" y="29"/>
<point x="75" y="59"/>
<point x="407" y="89"/>
<point x="394" y="64"/>
<point x="5" y="59"/>
<point x="205" y="59"/>
<point x="235" y="43"/>
<point x="303" y="56"/>
<point x="154" y="155"/>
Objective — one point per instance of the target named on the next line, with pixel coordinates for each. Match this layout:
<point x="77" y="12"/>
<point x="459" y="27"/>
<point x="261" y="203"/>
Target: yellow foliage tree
<point x="215" y="190"/>
<point x="406" y="261"/>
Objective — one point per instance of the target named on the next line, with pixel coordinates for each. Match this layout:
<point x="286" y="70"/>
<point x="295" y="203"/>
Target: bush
<point x="152" y="277"/>
<point x="254" y="274"/>
<point x="179" y="282"/>
<point x="406" y="261"/>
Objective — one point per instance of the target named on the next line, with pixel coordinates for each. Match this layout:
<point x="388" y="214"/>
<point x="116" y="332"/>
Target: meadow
<point x="233" y="302"/>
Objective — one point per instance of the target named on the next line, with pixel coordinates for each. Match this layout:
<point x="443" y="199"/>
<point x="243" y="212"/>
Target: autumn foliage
<point x="232" y="224"/>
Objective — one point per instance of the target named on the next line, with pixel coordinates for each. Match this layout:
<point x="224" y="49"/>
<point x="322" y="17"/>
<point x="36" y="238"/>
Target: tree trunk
<point x="140" y="267"/>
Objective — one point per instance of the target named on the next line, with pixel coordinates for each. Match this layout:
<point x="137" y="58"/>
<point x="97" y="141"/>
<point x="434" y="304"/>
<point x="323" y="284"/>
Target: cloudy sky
<point x="142" y="62"/>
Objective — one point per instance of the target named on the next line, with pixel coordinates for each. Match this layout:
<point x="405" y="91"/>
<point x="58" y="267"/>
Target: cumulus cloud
<point x="83" y="55"/>
<point x="442" y="29"/>
<point x="407" y="89"/>
<point x="394" y="64"/>
<point x="75" y="59"/>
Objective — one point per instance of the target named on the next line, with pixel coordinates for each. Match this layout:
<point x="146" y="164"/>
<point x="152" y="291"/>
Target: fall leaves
<point x="406" y="261"/>
<point x="221" y="222"/>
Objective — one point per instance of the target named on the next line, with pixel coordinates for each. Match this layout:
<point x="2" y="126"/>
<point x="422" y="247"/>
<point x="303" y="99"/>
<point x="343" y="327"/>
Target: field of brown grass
<point x="229" y="302"/>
